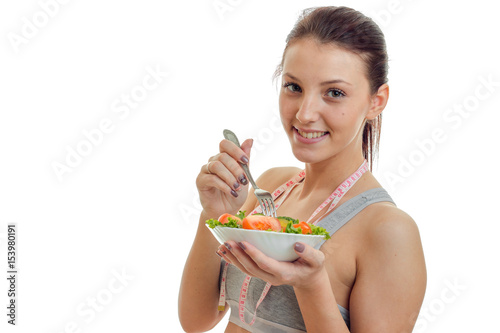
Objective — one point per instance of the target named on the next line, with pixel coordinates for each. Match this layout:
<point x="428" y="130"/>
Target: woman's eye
<point x="336" y="93"/>
<point x="292" y="87"/>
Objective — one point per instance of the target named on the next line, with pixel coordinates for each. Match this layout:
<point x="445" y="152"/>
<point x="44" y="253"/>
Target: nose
<point x="309" y="109"/>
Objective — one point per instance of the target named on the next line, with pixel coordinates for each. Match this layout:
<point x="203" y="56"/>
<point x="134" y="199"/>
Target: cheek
<point x="340" y="117"/>
<point x="351" y="114"/>
<point x="286" y="109"/>
<point x="344" y="121"/>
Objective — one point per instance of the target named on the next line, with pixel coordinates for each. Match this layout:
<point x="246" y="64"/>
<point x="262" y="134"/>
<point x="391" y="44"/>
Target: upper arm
<point x="391" y="276"/>
<point x="269" y="181"/>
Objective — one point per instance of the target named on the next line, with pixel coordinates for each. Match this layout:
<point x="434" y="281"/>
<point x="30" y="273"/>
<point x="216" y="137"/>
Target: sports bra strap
<point x="345" y="212"/>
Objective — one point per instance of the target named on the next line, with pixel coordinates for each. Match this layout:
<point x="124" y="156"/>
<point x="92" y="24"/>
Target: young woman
<point x="370" y="276"/>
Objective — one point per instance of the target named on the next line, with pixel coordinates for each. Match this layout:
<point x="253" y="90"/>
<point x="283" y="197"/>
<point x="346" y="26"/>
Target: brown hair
<point x="356" y="33"/>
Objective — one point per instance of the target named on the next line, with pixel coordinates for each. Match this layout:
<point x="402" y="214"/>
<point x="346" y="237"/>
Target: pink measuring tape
<point x="285" y="189"/>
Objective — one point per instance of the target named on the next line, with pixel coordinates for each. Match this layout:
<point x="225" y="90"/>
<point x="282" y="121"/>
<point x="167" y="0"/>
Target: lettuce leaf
<point x="232" y="223"/>
<point x="315" y="230"/>
<point x="290" y="229"/>
<point x="241" y="214"/>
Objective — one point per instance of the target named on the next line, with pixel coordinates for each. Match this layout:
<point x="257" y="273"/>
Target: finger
<point x="309" y="255"/>
<point x="219" y="168"/>
<point x="234" y="173"/>
<point x="226" y="254"/>
<point x="234" y="151"/>
<point x="206" y="181"/>
<point x="258" y="260"/>
<point x="245" y="263"/>
<point x="246" y="146"/>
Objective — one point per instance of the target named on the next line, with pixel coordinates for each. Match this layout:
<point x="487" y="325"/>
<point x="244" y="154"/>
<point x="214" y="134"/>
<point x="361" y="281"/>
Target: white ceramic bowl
<point x="277" y="245"/>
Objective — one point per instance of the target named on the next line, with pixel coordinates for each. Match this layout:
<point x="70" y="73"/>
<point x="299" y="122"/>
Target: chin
<point x="308" y="156"/>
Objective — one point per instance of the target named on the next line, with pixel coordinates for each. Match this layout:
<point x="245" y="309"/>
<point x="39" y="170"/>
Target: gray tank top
<point x="279" y="312"/>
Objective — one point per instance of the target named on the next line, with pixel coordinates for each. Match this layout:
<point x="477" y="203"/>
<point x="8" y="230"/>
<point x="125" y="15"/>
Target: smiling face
<point x="324" y="101"/>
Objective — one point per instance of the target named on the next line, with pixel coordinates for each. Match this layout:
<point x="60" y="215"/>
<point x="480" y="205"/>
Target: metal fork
<point x="265" y="198"/>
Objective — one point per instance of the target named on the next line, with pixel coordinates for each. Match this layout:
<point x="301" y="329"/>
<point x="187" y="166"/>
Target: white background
<point x="130" y="205"/>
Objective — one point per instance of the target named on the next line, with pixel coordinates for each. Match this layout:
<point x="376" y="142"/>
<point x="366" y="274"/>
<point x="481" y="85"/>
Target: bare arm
<point x="391" y="278"/>
<point x="199" y="290"/>
<point x="198" y="296"/>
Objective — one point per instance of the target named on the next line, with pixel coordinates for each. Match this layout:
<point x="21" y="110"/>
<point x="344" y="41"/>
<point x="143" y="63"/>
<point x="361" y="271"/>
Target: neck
<point x="327" y="175"/>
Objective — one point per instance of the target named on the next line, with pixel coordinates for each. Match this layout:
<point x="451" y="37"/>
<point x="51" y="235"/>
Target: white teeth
<point x="311" y="135"/>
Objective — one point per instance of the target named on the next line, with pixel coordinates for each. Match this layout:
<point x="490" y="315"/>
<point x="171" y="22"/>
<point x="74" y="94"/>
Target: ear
<point x="378" y="102"/>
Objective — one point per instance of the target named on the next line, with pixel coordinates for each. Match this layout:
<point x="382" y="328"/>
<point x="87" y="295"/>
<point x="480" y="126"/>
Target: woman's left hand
<point x="300" y="273"/>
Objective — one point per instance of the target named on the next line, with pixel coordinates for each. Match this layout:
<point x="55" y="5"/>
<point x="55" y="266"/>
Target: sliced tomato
<point x="259" y="222"/>
<point x="306" y="228"/>
<point x="224" y="218"/>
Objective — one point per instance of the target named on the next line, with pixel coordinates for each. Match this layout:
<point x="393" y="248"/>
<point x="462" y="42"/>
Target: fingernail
<point x="234" y="194"/>
<point x="299" y="247"/>
<point x="217" y="253"/>
<point x="236" y="185"/>
<point x="242" y="246"/>
<point x="243" y="180"/>
<point x="228" y="246"/>
<point x="244" y="159"/>
<point x="223" y="252"/>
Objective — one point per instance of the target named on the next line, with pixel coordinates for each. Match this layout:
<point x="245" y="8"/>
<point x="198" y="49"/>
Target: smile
<point x="310" y="135"/>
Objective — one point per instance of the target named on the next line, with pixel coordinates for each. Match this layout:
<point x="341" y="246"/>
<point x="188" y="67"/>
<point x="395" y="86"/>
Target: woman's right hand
<point x="221" y="183"/>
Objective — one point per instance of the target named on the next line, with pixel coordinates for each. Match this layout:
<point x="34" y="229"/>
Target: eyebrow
<point x="322" y="83"/>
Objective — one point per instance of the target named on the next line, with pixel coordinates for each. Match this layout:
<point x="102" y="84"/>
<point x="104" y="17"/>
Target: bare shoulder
<point x="388" y="229"/>
<point x="387" y="222"/>
<point x="274" y="177"/>
<point x="390" y="271"/>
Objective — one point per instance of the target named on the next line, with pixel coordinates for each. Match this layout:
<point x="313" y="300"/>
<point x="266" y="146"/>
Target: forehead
<point x="306" y="59"/>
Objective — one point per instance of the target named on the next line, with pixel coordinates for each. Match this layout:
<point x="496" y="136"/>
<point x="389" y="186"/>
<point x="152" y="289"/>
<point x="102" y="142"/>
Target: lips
<point x="310" y="134"/>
